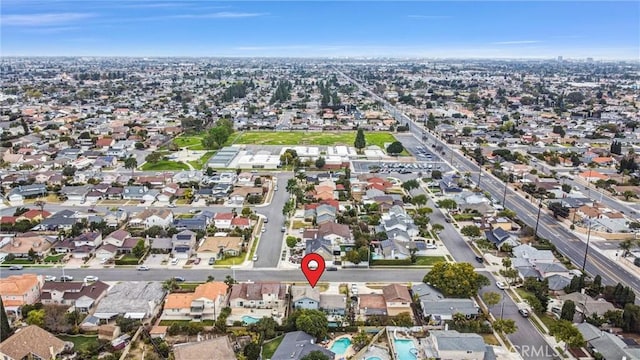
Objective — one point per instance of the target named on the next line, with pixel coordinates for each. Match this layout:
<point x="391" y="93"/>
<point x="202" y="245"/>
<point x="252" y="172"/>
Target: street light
<point x="586" y="249"/>
<point x="535" y="234"/>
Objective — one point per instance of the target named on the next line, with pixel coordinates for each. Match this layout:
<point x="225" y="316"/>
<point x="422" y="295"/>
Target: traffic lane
<point x="342" y="275"/>
<point x="269" y="248"/>
<point x="526" y="336"/>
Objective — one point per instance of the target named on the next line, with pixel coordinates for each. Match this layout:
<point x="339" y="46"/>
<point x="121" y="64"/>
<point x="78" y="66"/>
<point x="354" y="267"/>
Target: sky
<point x="431" y="29"/>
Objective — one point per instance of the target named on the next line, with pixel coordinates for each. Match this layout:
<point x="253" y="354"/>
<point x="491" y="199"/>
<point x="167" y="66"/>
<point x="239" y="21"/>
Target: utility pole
<point x="535" y="235"/>
<point x="586" y="249"/>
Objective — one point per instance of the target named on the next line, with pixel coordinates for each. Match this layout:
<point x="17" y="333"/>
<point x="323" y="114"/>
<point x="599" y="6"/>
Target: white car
<point x="431" y="246"/>
<point x="90" y="278"/>
<point x="49" y="278"/>
<point x="255" y="258"/>
<point x="500" y="285"/>
<point x="264" y="229"/>
<point x="143" y="268"/>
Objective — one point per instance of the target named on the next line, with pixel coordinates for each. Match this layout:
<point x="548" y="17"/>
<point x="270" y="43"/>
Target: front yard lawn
<point x="54" y="258"/>
<point x="429" y="260"/>
<point x="189" y="286"/>
<point x="18" y="262"/>
<point x="235" y="260"/>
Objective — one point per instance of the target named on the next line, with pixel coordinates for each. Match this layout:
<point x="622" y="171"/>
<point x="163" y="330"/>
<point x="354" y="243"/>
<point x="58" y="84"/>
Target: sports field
<point x="311" y="138"/>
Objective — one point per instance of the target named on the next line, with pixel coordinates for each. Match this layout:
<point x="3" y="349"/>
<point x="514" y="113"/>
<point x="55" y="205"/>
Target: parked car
<point x="479" y="259"/>
<point x="92" y="210"/>
<point x="66" y="278"/>
<point x="431" y="246"/>
<point x="212" y="260"/>
<point x="255" y="258"/>
<point x="524" y="312"/>
<point x="332" y="268"/>
<point x="264" y="228"/>
<point x="90" y="278"/>
<point x="196" y="261"/>
<point x="500" y="285"/>
<point x="143" y="268"/>
<point x="636" y="262"/>
<point x="174" y="261"/>
<point x="49" y="278"/>
<point x="283" y="229"/>
<point x="171" y="205"/>
<point x="16" y="267"/>
<point x="178" y="278"/>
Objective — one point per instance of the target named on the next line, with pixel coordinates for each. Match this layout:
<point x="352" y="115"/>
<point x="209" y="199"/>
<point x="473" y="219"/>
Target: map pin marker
<point x="312" y="267"/>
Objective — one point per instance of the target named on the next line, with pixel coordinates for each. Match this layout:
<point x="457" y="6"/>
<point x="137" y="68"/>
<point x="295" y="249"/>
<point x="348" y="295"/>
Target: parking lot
<point x="387" y="167"/>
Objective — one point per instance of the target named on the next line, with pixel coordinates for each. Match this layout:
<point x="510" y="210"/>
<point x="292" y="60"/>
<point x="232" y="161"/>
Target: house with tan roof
<point x="220" y="346"/>
<point x="592" y="175"/>
<point x="397" y="298"/>
<point x="21" y="245"/>
<point x="34" y="215"/>
<point x="372" y="304"/>
<point x="204" y="303"/>
<point x="220" y="246"/>
<point x="82" y="296"/>
<point x="18" y="290"/>
<point x="31" y="342"/>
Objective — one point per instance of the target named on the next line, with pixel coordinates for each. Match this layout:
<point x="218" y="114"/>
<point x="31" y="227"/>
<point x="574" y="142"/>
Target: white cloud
<point x="44" y="19"/>
<point x="51" y="30"/>
<point x="516" y="42"/>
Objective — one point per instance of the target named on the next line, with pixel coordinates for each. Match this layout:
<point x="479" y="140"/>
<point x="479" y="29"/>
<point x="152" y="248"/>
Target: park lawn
<point x="429" y="260"/>
<point x="18" y="262"/>
<point x="80" y="342"/>
<point x="311" y="138"/>
<point x="268" y="349"/>
<point x="199" y="164"/>
<point x="192" y="142"/>
<point x="164" y="165"/>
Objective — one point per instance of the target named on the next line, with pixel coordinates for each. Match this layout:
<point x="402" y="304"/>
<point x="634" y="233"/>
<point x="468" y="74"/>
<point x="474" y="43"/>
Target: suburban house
<point x="609" y="346"/>
<point x="81" y="296"/>
<point x="131" y="299"/>
<point x="62" y="220"/>
<point x="31" y="342"/>
<point x="117" y="237"/>
<point x="183" y="244"/>
<point x="438" y="309"/>
<point x="305" y="297"/>
<point x="220" y="246"/>
<point x="260" y="295"/>
<point x="75" y="194"/>
<point x="337" y="233"/>
<point x="298" y="344"/>
<point x="152" y="217"/>
<point x="372" y="304"/>
<point x="333" y="305"/>
<point x="18" y="290"/>
<point x="223" y="220"/>
<point x="451" y="344"/>
<point x="20" y="245"/>
<point x="22" y="192"/>
<point x="34" y="215"/>
<point x="397" y="298"/>
<point x="500" y="237"/>
<point x="205" y="303"/>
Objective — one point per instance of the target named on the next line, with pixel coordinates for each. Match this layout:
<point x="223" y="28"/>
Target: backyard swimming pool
<point x="405" y="349"/>
<point x="341" y="345"/>
<point x="249" y="319"/>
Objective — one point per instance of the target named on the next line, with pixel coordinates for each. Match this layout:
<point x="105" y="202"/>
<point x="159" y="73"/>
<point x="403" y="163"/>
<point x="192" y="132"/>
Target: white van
<point x="174" y="261"/>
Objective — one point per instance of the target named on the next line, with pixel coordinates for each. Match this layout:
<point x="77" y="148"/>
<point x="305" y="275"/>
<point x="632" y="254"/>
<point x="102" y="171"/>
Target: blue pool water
<point x="340" y="346"/>
<point x="249" y="319"/>
<point x="374" y="358"/>
<point x="405" y="349"/>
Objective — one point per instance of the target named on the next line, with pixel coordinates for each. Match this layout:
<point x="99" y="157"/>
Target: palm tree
<point x="625" y="246"/>
<point x="130" y="163"/>
<point x="628" y="194"/>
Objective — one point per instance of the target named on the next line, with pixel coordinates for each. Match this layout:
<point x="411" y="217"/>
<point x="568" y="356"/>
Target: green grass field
<point x="164" y="165"/>
<point x="429" y="260"/>
<point x="80" y="342"/>
<point x="192" y="142"/>
<point x="311" y="138"/>
<point x="199" y="164"/>
<point x="269" y="348"/>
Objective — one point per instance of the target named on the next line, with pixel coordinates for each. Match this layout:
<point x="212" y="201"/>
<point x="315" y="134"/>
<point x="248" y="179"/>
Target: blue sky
<point x="512" y="29"/>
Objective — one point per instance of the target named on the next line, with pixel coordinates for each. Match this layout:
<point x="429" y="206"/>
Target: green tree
<point x="403" y="320"/>
<point x="313" y="322"/>
<point x="315" y="355"/>
<point x="505" y="326"/>
<point x="69" y="171"/>
<point x="36" y="317"/>
<point x="491" y="298"/>
<point x="360" y="340"/>
<point x="291" y="241"/>
<point x="130" y="163"/>
<point x="395" y="148"/>
<point x="320" y="162"/>
<point x="419" y="200"/>
<point x="410" y="184"/>
<point x="230" y="281"/>
<point x="629" y="194"/>
<point x="170" y="284"/>
<point x="360" y="142"/>
<point x="5" y="329"/>
<point x="456" y="279"/>
<point x="437" y="228"/>
<point x="563" y="330"/>
<point x="138" y="249"/>
<point x="625" y="246"/>
<point x="252" y="351"/>
<point x="266" y="327"/>
<point x="568" y="310"/>
<point x="471" y="231"/>
<point x="154" y="157"/>
<point x="448" y="204"/>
